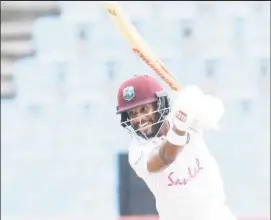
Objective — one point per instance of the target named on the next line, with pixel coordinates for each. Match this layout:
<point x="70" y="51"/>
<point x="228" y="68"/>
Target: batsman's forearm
<point x="168" y="153"/>
<point x="163" y="156"/>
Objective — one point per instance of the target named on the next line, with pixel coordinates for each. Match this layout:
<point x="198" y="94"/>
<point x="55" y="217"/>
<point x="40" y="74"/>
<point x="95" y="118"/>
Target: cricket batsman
<point x="168" y="150"/>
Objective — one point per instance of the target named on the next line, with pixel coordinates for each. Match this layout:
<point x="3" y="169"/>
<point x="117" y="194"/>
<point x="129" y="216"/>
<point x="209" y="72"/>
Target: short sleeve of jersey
<point x="138" y="157"/>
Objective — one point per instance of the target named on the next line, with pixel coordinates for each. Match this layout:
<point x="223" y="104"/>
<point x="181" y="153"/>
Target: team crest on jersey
<point x="129" y="93"/>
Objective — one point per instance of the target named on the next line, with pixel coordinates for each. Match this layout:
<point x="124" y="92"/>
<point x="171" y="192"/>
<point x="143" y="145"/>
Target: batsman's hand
<point x="206" y="110"/>
<point x="186" y="107"/>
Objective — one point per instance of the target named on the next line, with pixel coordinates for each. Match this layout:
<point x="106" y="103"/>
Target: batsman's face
<point x="143" y="117"/>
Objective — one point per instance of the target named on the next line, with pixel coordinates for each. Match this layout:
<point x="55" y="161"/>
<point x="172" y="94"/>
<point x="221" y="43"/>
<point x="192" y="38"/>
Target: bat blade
<point x="138" y="44"/>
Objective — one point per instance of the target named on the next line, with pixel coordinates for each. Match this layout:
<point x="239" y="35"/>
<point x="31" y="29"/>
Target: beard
<point x="151" y="128"/>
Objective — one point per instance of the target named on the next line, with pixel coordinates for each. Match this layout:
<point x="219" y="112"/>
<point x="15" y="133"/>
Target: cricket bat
<point x="138" y="44"/>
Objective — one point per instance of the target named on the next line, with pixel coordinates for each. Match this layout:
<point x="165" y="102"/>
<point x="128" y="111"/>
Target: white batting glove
<point x="210" y="113"/>
<point x="186" y="106"/>
<point x="206" y="110"/>
<point x="183" y="120"/>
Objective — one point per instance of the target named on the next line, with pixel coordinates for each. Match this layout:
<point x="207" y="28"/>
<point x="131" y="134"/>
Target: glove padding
<point x="206" y="110"/>
<point x="211" y="111"/>
<point x="185" y="107"/>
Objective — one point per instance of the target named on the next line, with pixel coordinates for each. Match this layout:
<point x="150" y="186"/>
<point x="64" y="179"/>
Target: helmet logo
<point x="128" y="93"/>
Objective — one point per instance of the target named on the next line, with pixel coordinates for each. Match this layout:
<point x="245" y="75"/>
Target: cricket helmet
<point x="140" y="90"/>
